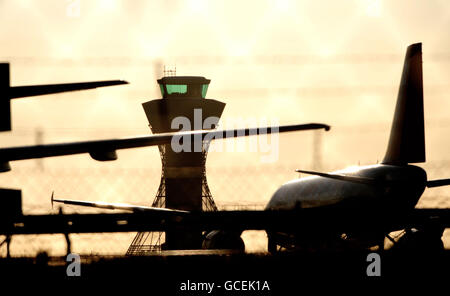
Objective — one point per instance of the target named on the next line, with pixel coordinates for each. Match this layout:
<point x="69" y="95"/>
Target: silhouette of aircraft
<point x="8" y="92"/>
<point x="12" y="197"/>
<point x="360" y="205"/>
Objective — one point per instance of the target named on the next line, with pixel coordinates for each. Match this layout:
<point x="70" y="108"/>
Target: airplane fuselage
<point x="398" y="188"/>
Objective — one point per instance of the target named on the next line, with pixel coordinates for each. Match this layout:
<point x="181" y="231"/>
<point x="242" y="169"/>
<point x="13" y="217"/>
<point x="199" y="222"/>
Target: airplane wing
<point x="104" y="150"/>
<point x="45" y="89"/>
<point x="117" y="206"/>
<point x="8" y="92"/>
<point x="353" y="179"/>
<point x="370" y="181"/>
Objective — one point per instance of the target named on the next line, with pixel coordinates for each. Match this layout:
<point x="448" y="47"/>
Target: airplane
<point x="375" y="194"/>
<point x="381" y="190"/>
<point x="8" y="92"/>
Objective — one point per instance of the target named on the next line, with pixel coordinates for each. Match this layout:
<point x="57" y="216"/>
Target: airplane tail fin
<point x="5" y="100"/>
<point x="407" y="139"/>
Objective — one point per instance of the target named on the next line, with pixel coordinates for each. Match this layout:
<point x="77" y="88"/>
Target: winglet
<point x="53" y="192"/>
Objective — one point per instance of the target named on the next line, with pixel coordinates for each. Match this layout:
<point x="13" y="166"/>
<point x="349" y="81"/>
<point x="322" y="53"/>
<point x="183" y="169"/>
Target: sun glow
<point x="372" y="8"/>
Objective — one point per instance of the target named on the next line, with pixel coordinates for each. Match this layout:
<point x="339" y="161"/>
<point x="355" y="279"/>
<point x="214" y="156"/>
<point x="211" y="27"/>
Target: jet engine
<point x="219" y="239"/>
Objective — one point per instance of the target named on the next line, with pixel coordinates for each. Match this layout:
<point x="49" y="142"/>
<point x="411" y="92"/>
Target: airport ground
<point x="262" y="273"/>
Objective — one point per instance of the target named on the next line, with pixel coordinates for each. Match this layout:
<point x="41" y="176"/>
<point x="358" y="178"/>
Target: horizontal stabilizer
<point x="105" y="149"/>
<point x="437" y="183"/>
<point x="39" y="90"/>
<point x="354" y="179"/>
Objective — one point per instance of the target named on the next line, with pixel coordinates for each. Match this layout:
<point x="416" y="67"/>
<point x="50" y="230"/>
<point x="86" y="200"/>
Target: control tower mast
<point x="183" y="180"/>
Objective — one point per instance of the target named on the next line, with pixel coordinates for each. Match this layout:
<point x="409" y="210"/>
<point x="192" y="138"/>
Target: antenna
<point x="317" y="150"/>
<point x="168" y="71"/>
<point x="38" y="138"/>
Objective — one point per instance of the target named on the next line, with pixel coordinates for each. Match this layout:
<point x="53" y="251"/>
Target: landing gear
<point x="218" y="239"/>
<point x="323" y="243"/>
<point x="277" y="242"/>
<point x="7" y="241"/>
<point x="272" y="246"/>
<point x="428" y="239"/>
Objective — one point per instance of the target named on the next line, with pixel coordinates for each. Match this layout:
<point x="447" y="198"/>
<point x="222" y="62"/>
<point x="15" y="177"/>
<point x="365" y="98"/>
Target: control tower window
<point x="204" y="90"/>
<point x="193" y="87"/>
<point x="176" y="89"/>
<point x="162" y="90"/>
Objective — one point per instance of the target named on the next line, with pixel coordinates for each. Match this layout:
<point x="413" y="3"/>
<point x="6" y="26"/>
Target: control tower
<point x="183" y="181"/>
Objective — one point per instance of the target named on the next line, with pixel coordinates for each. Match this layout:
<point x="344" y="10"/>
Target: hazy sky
<point x="337" y="62"/>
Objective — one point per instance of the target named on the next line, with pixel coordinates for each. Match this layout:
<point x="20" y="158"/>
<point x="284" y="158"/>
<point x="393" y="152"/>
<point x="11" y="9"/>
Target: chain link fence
<point x="233" y="188"/>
